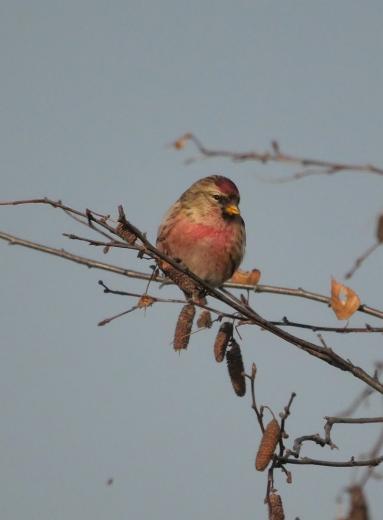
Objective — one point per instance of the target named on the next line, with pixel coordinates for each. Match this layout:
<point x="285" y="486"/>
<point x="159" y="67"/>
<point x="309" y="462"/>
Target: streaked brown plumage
<point x="204" y="230"/>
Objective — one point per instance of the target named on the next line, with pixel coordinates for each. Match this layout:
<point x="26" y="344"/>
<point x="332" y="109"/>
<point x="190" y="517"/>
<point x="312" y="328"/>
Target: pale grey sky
<point x="91" y="94"/>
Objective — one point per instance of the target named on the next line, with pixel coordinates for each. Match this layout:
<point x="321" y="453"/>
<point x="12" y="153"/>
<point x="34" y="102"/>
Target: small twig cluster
<point x="275" y="154"/>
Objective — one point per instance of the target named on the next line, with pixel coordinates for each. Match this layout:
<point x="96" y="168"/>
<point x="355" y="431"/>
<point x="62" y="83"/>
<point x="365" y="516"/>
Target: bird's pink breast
<point x="195" y="232"/>
<point x="207" y="250"/>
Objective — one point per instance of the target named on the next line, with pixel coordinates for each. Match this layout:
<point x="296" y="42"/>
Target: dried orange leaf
<point x="145" y="301"/>
<point x="275" y="507"/>
<point x="268" y="444"/>
<point x="183" y="327"/>
<point x="344" y="301"/>
<point x="246" y="277"/>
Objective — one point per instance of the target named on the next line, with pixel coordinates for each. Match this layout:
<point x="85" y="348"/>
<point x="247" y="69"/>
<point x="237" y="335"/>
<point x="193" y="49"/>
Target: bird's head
<point x="214" y="194"/>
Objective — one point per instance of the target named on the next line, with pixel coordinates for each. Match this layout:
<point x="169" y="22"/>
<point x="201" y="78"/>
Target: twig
<point x="330" y="421"/>
<point x="373" y="453"/>
<point x="358" y="262"/>
<point x="334" y="464"/>
<point x="108" y="320"/>
<point x="12" y="240"/>
<point x="253" y="400"/>
<point x="284" y="415"/>
<point x="99" y="243"/>
<point x="315" y="328"/>
<point x="326" y="440"/>
<point x="155" y="299"/>
<point x="364" y="394"/>
<point x="311" y="166"/>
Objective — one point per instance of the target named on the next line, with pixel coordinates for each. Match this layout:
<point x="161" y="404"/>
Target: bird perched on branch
<point x="204" y="230"/>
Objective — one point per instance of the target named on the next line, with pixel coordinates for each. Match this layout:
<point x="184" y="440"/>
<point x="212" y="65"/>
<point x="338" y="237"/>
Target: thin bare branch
<point x="12" y="240"/>
<point x="361" y="397"/>
<point x="316" y="328"/>
<point x="351" y="420"/>
<point x="253" y="400"/>
<point x="358" y="262"/>
<point x="284" y="415"/>
<point x="333" y="464"/>
<point x="326" y="439"/>
<point x="311" y="166"/>
<point x="99" y="243"/>
<point x="108" y="320"/>
<point x="373" y="453"/>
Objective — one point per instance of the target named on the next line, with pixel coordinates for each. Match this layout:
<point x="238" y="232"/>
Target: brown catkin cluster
<point x="275" y="507"/>
<point x="124" y="233"/>
<point x="222" y="339"/>
<point x="204" y="320"/>
<point x="183" y="327"/>
<point x="236" y="368"/>
<point x="268" y="444"/>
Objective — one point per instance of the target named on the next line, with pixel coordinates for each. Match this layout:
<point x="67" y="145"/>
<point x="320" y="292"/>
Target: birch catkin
<point x="183" y="327"/>
<point x="236" y="369"/>
<point x="268" y="444"/>
<point x="222" y="339"/>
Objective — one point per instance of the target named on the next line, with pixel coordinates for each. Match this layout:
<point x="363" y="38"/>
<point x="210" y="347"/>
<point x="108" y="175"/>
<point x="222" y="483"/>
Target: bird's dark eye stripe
<point x="219" y="197"/>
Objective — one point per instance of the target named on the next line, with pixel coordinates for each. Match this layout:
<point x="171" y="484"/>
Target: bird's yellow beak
<point x="232" y="210"/>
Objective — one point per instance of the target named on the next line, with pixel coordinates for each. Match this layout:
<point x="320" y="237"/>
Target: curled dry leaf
<point x="222" y="339"/>
<point x="246" y="277"/>
<point x="204" y="320"/>
<point x="236" y="368"/>
<point x="344" y="301"/>
<point x="275" y="507"/>
<point x="268" y="444"/>
<point x="183" y="327"/>
<point x="145" y="301"/>
<point x="379" y="229"/>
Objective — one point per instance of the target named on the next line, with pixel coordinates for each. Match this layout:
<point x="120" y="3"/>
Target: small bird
<point x="204" y="230"/>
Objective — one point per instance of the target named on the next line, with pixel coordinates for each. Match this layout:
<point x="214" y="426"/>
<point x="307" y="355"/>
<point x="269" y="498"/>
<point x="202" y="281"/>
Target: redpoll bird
<point x="205" y="231"/>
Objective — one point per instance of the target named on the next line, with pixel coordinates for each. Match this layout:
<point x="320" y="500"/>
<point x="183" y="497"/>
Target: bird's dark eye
<point x="218" y="197"/>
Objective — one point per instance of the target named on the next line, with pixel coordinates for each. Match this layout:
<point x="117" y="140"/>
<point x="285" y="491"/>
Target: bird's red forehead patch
<point x="227" y="186"/>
